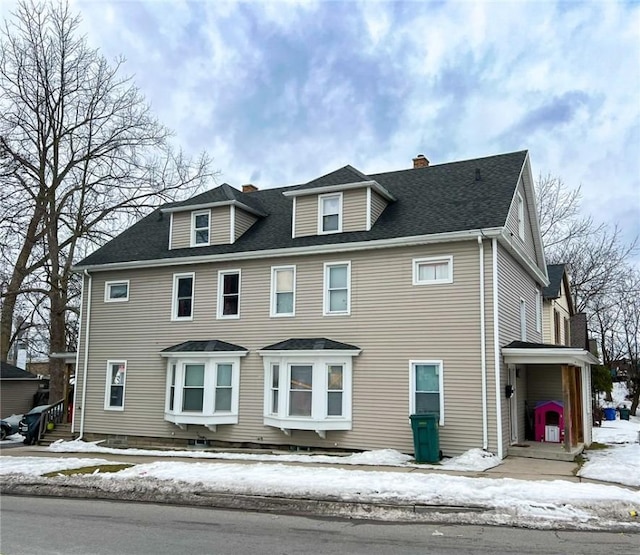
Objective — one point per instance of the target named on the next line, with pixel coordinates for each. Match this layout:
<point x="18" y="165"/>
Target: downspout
<point x="75" y="385"/>
<point x="86" y="355"/>
<point x="496" y="347"/>
<point x="483" y="349"/>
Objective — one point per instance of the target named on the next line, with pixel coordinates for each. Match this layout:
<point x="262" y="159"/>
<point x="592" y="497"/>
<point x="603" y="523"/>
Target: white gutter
<point x="331" y="248"/>
<point x="191" y="207"/>
<point x="483" y="349"/>
<point x="86" y="355"/>
<point x="496" y="347"/>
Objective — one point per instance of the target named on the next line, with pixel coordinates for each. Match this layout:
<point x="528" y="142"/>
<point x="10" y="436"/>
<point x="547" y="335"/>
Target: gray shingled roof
<point x="528" y="345"/>
<point x="436" y="199"/>
<point x="210" y="346"/>
<point x="11" y="372"/>
<point x="316" y="344"/>
<point x="555" y="271"/>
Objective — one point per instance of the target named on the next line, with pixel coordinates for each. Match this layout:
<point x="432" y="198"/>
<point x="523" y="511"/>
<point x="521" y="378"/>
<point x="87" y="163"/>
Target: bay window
<point x="203" y="388"/>
<point x="308" y="390"/>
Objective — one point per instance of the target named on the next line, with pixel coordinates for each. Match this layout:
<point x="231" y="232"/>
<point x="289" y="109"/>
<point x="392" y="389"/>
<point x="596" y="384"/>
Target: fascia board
<point x="411" y="241"/>
<point x="341" y="187"/>
<point x="192" y="207"/>
<point x="547" y="356"/>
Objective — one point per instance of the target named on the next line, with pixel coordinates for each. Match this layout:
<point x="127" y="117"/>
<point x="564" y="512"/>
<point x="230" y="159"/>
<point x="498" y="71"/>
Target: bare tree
<point x="80" y="152"/>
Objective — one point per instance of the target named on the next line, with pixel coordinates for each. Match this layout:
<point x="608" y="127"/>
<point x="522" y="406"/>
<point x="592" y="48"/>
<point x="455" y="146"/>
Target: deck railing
<point x="55" y="413"/>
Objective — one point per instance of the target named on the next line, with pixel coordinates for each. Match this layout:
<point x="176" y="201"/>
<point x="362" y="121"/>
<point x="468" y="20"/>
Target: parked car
<point x="30" y="424"/>
<point x="9" y="426"/>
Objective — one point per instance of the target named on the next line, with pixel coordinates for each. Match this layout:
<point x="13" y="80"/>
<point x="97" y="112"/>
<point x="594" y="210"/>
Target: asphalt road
<point x="49" y="525"/>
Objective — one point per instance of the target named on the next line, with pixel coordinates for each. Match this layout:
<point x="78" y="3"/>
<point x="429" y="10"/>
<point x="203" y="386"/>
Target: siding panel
<point x="378" y="204"/>
<point x="243" y="222"/>
<point x="391" y="320"/>
<point x="221" y="225"/>
<point x="354" y="206"/>
<point x="181" y="230"/>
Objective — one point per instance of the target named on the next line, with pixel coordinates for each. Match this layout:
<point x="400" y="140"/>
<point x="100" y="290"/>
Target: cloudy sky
<point x="280" y="93"/>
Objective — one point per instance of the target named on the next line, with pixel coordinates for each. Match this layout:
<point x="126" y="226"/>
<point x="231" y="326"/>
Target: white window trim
<point x="174" y="297"/>
<point x="208" y="417"/>
<point x="107" y="291"/>
<point x="538" y="311"/>
<point x="107" y="390"/>
<point x="221" y="274"/>
<point x="273" y="313"/>
<point x="171" y="231"/>
<point x="232" y="224"/>
<point x="193" y="228"/>
<point x="325" y="289"/>
<point x="369" y="208"/>
<point x="520" y="208"/>
<point x="412" y="385"/>
<point x="293" y="219"/>
<point x="523" y="319"/>
<point x="319" y="421"/>
<point x="321" y="213"/>
<point x="432" y="260"/>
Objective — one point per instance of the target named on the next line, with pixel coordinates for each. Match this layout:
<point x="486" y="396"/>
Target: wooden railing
<point x="55" y="413"/>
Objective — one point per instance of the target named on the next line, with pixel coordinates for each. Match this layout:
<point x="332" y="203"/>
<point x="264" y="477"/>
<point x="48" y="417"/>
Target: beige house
<point x="322" y="315"/>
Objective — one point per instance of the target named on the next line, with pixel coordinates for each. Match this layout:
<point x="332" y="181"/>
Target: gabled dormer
<point x="342" y="201"/>
<point x="217" y="217"/>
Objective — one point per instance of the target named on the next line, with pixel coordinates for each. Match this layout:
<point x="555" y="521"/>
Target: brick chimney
<point x="249" y="188"/>
<point x="420" y="161"/>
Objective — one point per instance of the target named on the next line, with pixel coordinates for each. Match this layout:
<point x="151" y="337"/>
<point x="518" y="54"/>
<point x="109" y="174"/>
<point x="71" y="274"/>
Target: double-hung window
<point x="203" y="388"/>
<point x="308" y="391"/>
<point x="200" y="229"/>
<point x="116" y="291"/>
<point x="426" y="379"/>
<point x="432" y="270"/>
<point x="330" y="213"/>
<point x="183" y="296"/>
<point x="337" y="288"/>
<point x="116" y="379"/>
<point x="283" y="290"/>
<point x="229" y="294"/>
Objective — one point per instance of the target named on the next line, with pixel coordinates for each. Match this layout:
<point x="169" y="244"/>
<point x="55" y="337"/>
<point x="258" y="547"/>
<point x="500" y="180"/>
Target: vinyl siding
<point x="243" y="221"/>
<point x="354" y="212"/>
<point x="544" y="384"/>
<point x="219" y="224"/>
<point x="391" y="320"/>
<point x="514" y="283"/>
<point x="560" y="304"/>
<point x="378" y="204"/>
<point x="306" y="216"/>
<point x="354" y="206"/>
<point x="17" y="396"/>
<point x="528" y="244"/>
<point x="181" y="230"/>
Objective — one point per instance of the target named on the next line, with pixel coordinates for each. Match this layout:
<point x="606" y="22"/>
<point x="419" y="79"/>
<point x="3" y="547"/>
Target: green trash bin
<point x="426" y="442"/>
<point x="624" y="413"/>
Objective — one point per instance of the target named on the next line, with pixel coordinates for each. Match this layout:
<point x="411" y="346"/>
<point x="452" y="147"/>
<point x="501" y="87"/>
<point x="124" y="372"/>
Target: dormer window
<point x="200" y="229"/>
<point x="330" y="213"/>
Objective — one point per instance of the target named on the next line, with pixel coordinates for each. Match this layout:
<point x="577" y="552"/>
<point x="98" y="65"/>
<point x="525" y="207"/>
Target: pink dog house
<point x="549" y="419"/>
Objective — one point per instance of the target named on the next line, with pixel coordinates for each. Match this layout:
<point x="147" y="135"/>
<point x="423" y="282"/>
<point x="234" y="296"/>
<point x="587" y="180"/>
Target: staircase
<point x="61" y="431"/>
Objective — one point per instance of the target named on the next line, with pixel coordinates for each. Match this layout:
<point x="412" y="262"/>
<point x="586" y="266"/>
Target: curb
<point x="155" y="491"/>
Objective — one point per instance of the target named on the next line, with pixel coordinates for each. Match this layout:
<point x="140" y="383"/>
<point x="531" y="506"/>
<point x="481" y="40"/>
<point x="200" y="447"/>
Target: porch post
<point x="566" y="401"/>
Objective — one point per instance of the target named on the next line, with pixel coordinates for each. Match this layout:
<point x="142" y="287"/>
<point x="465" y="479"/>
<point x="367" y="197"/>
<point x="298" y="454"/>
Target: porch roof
<point x="522" y="352"/>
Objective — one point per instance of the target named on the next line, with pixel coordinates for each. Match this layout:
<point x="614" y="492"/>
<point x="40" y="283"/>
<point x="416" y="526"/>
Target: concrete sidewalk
<point x="519" y="468"/>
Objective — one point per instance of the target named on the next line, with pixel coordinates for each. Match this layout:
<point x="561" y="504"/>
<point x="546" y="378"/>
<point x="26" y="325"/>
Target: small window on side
<point x="200" y="229"/>
<point x="330" y="213"/>
<point x="431" y="271"/>
<point x="116" y="291"/>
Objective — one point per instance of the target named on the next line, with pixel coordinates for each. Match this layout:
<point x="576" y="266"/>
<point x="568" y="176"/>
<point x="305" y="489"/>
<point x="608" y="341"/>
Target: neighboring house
<point x="324" y="314"/>
<point x="17" y="389"/>
<point x="557" y="307"/>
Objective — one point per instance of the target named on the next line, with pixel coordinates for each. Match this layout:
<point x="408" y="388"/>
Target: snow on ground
<point x="15" y="438"/>
<point x="473" y="460"/>
<point x="620" y="463"/>
<point x="533" y="503"/>
<point x="36" y="466"/>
